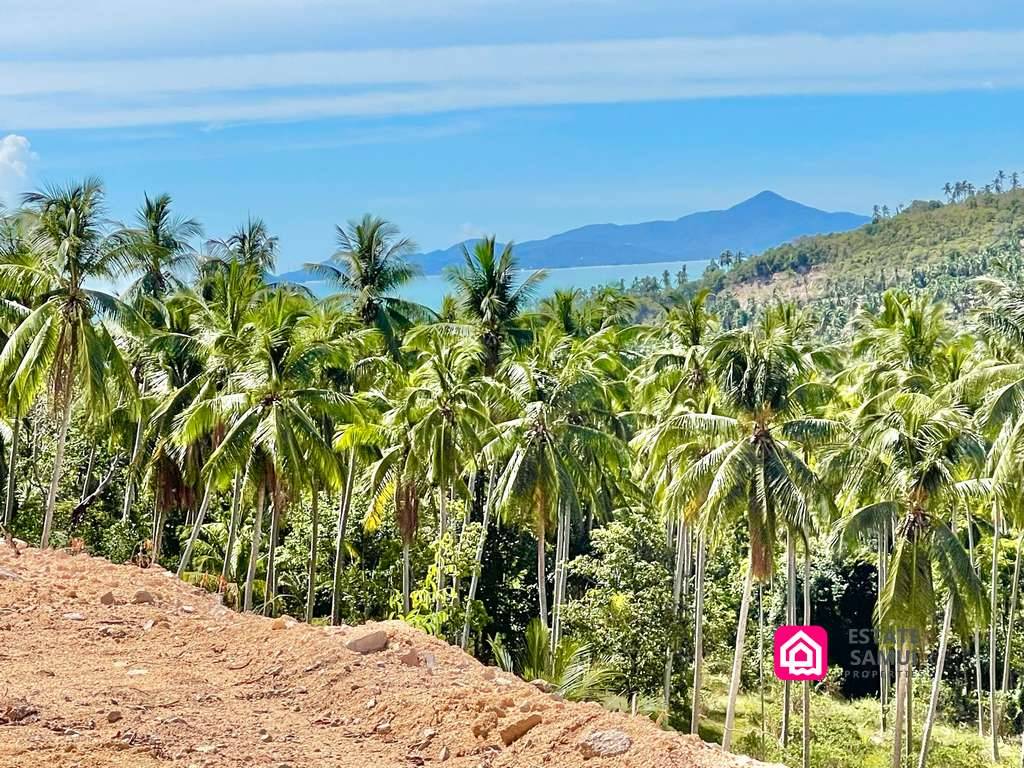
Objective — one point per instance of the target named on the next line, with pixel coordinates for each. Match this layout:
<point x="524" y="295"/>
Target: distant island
<point x="763" y="221"/>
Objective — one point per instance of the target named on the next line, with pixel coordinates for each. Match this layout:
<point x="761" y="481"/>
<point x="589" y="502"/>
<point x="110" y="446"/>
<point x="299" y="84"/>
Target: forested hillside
<point x="888" y="250"/>
<point x="621" y="511"/>
<point x="932" y="247"/>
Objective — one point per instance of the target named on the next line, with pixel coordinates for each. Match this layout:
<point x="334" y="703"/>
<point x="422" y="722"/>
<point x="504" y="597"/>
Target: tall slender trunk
<point x="977" y="639"/>
<point x="158" y="533"/>
<point x="474" y="581"/>
<point x="807" y="683"/>
<point x="58" y="461"/>
<point x="698" y="636"/>
<point x="933" y="704"/>
<point x="787" y="691"/>
<point x="737" y="661"/>
<point x="993" y="650"/>
<point x="314" y="534"/>
<point x="11" y="477"/>
<point x="186" y="556"/>
<point x="883" y="661"/>
<point x="254" y="546"/>
<point x="270" y="595"/>
<point x="339" y="541"/>
<point x="89" y="467"/>
<point x="682" y="533"/>
<point x="229" y="548"/>
<point x="561" y="557"/>
<point x="406" y="579"/>
<point x="542" y="587"/>
<point x="897" y="720"/>
<point x="760" y="658"/>
<point x="1011" y="616"/>
<point x="129" y="486"/>
<point x="442" y="529"/>
<point x="910" y="708"/>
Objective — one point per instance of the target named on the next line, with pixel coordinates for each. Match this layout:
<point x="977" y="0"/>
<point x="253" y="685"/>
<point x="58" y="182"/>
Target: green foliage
<point x="625" y="609"/>
<point x="551" y="454"/>
<point x="571" y="666"/>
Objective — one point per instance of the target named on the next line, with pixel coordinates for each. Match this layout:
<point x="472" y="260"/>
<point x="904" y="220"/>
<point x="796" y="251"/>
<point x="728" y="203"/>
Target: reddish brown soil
<point x="187" y="682"/>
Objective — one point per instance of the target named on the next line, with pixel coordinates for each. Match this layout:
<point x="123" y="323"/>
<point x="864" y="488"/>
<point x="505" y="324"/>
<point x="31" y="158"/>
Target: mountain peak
<point x="765" y="199"/>
<point x="767" y="219"/>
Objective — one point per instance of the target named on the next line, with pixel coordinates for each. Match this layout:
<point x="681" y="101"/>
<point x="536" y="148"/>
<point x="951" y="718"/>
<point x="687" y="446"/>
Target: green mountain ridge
<point x="924" y="234"/>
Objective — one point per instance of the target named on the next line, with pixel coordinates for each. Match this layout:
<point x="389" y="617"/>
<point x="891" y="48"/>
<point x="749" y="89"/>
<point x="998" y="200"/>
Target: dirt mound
<point x="104" y="665"/>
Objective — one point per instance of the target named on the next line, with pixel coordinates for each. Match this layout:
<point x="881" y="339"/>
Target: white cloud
<point x="16" y="158"/>
<point x="305" y="85"/>
<point x="81" y="27"/>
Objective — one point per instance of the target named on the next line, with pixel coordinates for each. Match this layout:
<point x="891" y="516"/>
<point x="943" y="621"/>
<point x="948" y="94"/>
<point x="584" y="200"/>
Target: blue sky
<point x="520" y="118"/>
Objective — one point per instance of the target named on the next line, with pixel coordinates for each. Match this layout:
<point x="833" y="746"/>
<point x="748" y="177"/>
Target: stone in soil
<point x="369" y="642"/>
<point x="604" y="744"/>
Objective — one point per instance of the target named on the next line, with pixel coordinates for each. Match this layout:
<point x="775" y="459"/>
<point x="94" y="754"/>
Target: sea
<point x="429" y="290"/>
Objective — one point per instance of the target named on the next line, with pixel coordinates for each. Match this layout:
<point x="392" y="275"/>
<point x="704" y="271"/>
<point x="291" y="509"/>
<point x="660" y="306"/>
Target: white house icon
<point x="802" y="656"/>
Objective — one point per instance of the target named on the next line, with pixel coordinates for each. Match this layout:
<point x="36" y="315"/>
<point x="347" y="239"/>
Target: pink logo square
<point x="801" y="653"/>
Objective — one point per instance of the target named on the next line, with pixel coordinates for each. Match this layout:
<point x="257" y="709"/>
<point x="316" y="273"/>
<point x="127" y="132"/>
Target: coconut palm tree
<point x="157" y="250"/>
<point x="493" y="295"/>
<point x="14" y="249"/>
<point x="914" y="458"/>
<point x="250" y="244"/>
<point x="756" y="473"/>
<point x="370" y="266"/>
<point x="396" y="479"/>
<point x="554" y="449"/>
<point x="564" y="309"/>
<point x="448" y="416"/>
<point x="674" y="380"/>
<point x="64" y="342"/>
<point x="269" y="411"/>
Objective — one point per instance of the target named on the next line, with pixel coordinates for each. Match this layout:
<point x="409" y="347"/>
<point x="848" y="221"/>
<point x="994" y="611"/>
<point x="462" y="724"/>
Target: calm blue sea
<point x="430" y="289"/>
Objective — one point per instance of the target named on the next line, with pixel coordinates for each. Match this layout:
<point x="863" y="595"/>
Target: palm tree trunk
<point x="737" y="661"/>
<point x="314" y="533"/>
<point x="910" y="708"/>
<point x="977" y="639"/>
<point x="442" y="529"/>
<point x="698" y="636"/>
<point x="129" y="486"/>
<point x="229" y="547"/>
<point x="89" y="467"/>
<point x="254" y="546"/>
<point x="760" y="658"/>
<point x="158" y="533"/>
<point x="11" y="477"/>
<point x="542" y="587"/>
<point x="406" y="579"/>
<point x="677" y="593"/>
<point x="992" y="649"/>
<point x="1014" y="590"/>
<point x="883" y="661"/>
<point x="58" y="461"/>
<point x="933" y="704"/>
<point x="897" y="721"/>
<point x="474" y="581"/>
<point x="787" y="691"/>
<point x="807" y="683"/>
<point x="186" y="557"/>
<point x="561" y="557"/>
<point x="339" y="541"/>
<point x="270" y="595"/>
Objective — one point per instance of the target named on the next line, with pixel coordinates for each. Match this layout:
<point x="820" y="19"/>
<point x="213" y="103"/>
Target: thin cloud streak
<point x="231" y="89"/>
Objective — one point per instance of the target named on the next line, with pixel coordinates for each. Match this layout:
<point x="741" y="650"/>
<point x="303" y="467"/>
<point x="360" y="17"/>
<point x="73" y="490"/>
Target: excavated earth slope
<point x="107" y="665"/>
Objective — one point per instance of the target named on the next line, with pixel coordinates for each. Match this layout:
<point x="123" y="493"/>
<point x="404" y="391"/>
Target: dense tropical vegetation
<point x="610" y="505"/>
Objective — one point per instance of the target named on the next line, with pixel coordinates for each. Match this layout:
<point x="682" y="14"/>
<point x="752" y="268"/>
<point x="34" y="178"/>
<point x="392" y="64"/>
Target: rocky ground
<point x="106" y="665"/>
